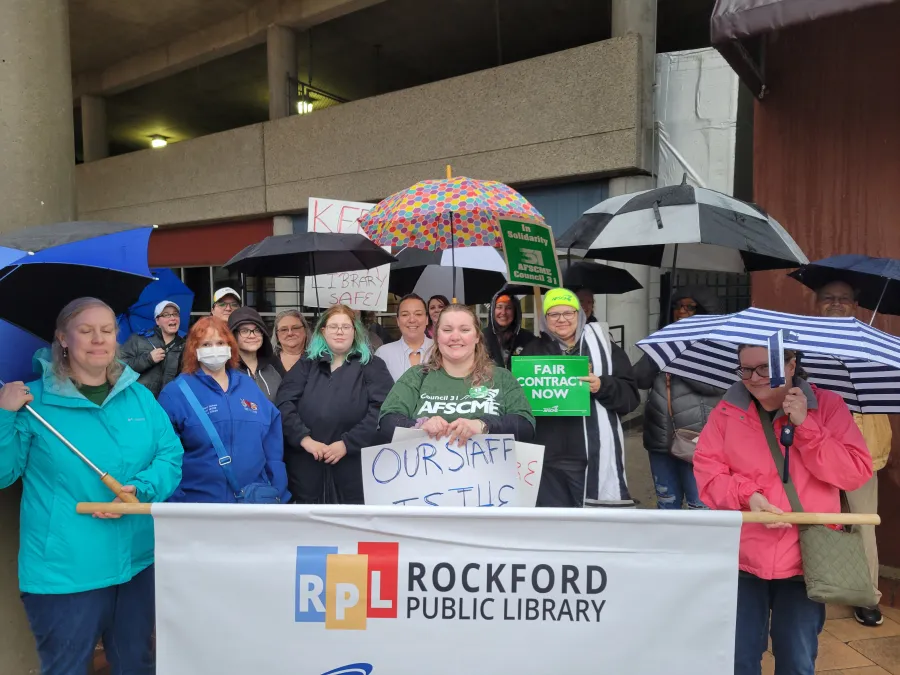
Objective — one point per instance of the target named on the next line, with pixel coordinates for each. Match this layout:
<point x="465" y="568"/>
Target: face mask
<point x="214" y="358"/>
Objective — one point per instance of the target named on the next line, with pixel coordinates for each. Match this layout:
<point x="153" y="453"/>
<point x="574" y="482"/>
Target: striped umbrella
<point x="683" y="226"/>
<point x="843" y="355"/>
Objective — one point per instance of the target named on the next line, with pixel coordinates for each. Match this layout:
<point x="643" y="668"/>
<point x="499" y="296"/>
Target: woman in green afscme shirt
<point x="458" y="392"/>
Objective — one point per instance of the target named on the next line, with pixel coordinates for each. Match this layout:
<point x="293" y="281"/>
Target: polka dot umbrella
<point x="451" y="213"/>
<point x="447" y="214"/>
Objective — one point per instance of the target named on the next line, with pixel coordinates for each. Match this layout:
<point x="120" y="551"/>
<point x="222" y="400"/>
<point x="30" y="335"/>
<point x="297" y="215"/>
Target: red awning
<point x="738" y="28"/>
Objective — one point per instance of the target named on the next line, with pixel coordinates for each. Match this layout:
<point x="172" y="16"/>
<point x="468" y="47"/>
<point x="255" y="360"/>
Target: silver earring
<point x="65" y="352"/>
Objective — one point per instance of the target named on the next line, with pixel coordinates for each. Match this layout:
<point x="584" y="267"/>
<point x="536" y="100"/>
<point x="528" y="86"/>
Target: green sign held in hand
<point x="530" y="254"/>
<point x="552" y="386"/>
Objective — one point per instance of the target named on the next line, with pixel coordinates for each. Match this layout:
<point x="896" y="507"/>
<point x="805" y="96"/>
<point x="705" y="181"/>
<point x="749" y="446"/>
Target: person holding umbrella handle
<point x="86" y="578"/>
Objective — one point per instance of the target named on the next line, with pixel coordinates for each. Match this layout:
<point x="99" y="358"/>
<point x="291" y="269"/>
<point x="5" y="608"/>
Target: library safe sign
<point x="530" y="254"/>
<point x="552" y="385"/>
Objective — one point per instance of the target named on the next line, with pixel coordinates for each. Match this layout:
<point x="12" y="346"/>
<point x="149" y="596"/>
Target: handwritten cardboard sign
<point x="489" y="471"/>
<point x="365" y="290"/>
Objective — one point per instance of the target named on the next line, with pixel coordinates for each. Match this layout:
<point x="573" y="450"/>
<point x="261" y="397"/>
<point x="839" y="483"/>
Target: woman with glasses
<point x="155" y="354"/>
<point x="584" y="457"/>
<point x="736" y="470"/>
<point x="676" y="403"/>
<point x="258" y="359"/>
<point x="291" y="336"/>
<point x="329" y="403"/>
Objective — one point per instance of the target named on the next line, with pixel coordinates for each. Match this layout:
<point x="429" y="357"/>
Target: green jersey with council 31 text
<point x="436" y="393"/>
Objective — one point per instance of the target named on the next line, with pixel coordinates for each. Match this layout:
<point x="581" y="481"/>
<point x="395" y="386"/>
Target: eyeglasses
<point x="334" y="329"/>
<point x="170" y="315"/>
<point x="228" y="305"/>
<point x="745" y="372"/>
<point x="836" y="300"/>
<point x="690" y="308"/>
<point x="247" y="331"/>
<point x="287" y="330"/>
<point x="561" y="316"/>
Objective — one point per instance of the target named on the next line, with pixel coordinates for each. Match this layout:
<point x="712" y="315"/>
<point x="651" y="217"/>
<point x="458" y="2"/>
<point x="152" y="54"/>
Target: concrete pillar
<point x="37" y="160"/>
<point x="639" y="17"/>
<point x="281" y="50"/>
<point x="94" y="138"/>
<point x="37" y="140"/>
<point x="633" y="309"/>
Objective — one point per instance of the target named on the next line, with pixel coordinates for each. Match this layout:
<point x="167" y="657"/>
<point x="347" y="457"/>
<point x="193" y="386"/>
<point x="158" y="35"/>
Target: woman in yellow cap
<point x="584" y="456"/>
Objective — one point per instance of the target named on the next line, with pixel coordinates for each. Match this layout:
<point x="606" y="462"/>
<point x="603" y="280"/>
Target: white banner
<point x="361" y="289"/>
<point x="489" y="470"/>
<point x="306" y="590"/>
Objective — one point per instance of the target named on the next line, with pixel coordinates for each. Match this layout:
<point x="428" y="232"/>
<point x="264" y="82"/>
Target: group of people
<point x="230" y="413"/>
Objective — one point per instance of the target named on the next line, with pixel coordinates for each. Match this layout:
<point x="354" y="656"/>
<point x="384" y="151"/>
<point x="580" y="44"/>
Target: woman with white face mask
<point x="218" y="411"/>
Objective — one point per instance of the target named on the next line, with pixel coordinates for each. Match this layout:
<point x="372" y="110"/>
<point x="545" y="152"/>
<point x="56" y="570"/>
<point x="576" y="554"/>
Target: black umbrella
<point x="429" y="273"/>
<point x="598" y="278"/>
<point x="683" y="225"/>
<point x="870" y="277"/>
<point x="308" y="254"/>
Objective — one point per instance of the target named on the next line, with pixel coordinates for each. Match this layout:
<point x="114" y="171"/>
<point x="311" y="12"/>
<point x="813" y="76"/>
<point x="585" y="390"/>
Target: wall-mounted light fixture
<point x="304" y="104"/>
<point x="157" y="141"/>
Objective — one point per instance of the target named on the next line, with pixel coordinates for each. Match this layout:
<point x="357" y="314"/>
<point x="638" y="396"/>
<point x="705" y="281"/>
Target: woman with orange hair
<point x="231" y="433"/>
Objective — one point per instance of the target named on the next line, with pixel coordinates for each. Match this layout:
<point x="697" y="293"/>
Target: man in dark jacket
<point x="584" y="457"/>
<point x="691" y="403"/>
<point x="155" y="354"/>
<point x="504" y="336"/>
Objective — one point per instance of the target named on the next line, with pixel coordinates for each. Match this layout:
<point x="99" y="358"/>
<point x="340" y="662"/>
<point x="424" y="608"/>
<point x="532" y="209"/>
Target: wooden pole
<point x="87" y="508"/>
<point x="449" y="172"/>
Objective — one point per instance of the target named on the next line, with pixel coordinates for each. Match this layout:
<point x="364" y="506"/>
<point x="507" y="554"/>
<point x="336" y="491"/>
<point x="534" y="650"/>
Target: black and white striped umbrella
<point x="843" y="355"/>
<point x="683" y="226"/>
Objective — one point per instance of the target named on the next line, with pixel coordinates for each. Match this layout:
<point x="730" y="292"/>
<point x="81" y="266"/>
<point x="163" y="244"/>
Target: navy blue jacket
<point x="249" y="426"/>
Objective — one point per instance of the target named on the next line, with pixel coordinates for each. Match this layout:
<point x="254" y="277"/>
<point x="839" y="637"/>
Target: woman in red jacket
<point x="735" y="470"/>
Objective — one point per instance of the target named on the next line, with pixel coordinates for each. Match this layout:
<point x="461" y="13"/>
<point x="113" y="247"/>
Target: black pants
<point x="562" y="487"/>
<point x="314" y="482"/>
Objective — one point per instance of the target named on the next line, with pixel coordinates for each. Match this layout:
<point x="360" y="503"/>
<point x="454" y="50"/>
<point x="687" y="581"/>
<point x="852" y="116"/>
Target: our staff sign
<point x="489" y="470"/>
<point x="530" y="254"/>
<point x="552" y="386"/>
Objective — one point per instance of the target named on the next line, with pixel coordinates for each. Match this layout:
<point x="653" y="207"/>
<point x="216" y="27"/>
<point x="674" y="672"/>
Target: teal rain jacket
<point x="129" y="436"/>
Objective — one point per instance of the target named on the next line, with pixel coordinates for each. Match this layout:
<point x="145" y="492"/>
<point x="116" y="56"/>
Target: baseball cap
<point x="222" y="292"/>
<point x="161" y="307"/>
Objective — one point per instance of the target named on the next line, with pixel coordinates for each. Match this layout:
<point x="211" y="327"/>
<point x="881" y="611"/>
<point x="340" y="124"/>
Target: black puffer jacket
<point x="692" y="401"/>
<point x="518" y="338"/>
<point x="136" y="354"/>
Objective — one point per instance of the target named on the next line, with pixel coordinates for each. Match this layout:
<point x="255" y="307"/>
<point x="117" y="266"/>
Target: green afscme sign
<point x="552" y="386"/>
<point x="530" y="254"/>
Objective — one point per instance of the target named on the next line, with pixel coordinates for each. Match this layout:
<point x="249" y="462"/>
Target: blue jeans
<point x="67" y="627"/>
<point x="674" y="481"/>
<point x="796" y="622"/>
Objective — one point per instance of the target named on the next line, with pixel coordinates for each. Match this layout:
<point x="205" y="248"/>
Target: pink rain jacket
<point x="733" y="461"/>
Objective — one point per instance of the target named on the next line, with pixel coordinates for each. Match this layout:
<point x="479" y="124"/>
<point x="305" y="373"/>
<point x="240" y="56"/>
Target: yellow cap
<point x="561" y="296"/>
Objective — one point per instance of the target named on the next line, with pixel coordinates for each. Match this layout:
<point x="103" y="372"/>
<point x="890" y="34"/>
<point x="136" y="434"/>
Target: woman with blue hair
<point x="330" y="402"/>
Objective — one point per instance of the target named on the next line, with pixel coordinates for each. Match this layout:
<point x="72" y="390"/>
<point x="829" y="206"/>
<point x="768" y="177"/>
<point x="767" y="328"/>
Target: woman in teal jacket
<point x="84" y="578"/>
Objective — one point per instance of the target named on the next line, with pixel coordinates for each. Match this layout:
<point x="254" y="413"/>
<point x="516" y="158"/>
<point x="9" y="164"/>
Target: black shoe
<point x="868" y="616"/>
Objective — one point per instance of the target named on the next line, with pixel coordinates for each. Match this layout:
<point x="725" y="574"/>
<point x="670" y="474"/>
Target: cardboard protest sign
<point x="530" y="254"/>
<point x="365" y="290"/>
<point x="490" y="470"/>
<point x="552" y="386"/>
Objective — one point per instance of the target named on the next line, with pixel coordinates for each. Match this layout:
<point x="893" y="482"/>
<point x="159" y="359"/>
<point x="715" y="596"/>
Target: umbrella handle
<point x="116" y="488"/>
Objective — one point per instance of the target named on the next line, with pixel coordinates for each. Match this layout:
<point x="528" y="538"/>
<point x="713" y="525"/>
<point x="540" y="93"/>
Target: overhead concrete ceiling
<point x="106" y="31"/>
<point x="390" y="46"/>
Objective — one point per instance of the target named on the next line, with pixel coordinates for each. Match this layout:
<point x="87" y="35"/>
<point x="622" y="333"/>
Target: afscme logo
<point x="331" y="586"/>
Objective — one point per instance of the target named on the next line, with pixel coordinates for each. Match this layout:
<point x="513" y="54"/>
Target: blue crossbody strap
<point x="224" y="457"/>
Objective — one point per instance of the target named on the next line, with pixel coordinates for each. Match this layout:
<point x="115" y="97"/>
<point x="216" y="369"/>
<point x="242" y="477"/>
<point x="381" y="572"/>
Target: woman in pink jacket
<point x="735" y="470"/>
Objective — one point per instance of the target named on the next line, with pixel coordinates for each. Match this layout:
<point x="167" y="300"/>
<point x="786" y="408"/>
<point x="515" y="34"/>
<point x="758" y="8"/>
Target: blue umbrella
<point x="843" y="355"/>
<point x="870" y="277"/>
<point x="44" y="268"/>
<point x="139" y="317"/>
